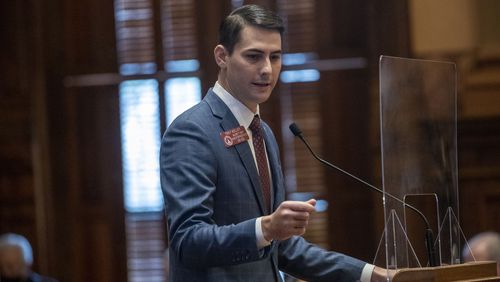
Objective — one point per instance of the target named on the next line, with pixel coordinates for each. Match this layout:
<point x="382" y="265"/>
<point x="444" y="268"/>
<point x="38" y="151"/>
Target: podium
<point x="474" y="271"/>
<point x="422" y="237"/>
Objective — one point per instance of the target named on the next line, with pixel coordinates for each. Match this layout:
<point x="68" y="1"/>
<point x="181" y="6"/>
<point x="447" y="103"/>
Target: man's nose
<point x="266" y="67"/>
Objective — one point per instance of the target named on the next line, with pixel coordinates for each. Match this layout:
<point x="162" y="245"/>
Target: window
<point x="150" y="81"/>
<point x="302" y="73"/>
<point x="181" y="94"/>
<point x="140" y="125"/>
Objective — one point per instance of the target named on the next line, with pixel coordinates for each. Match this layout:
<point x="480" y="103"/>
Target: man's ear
<point x="220" y="54"/>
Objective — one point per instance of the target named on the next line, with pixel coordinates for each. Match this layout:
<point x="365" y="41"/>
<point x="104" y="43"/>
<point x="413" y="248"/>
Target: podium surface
<point x="474" y="271"/>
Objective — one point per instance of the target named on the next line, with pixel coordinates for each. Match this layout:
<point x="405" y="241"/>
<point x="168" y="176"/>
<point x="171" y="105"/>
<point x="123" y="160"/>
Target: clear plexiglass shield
<point x="418" y="125"/>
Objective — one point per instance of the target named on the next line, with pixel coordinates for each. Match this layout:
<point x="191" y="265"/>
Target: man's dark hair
<point x="254" y="15"/>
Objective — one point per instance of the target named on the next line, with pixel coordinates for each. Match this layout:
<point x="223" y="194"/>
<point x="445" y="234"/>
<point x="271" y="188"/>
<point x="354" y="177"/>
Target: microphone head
<point x="294" y="128"/>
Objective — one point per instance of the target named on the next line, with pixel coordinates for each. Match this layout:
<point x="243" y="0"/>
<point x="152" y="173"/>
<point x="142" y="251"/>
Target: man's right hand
<point x="289" y="219"/>
<point x="382" y="275"/>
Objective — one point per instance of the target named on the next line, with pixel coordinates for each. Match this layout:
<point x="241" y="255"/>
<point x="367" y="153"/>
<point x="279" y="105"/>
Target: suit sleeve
<point x="188" y="178"/>
<point x="312" y="263"/>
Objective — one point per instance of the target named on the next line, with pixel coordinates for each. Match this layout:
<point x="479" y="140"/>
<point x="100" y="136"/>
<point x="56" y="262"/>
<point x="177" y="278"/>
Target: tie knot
<point x="255" y="125"/>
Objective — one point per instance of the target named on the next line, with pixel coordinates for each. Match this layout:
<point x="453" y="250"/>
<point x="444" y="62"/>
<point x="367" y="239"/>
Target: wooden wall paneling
<point x="343" y="28"/>
<point x="62" y="251"/>
<point x="89" y="37"/>
<point x="492" y="206"/>
<point x="345" y="131"/>
<point x="40" y="147"/>
<point x="479" y="203"/>
<point x="345" y="110"/>
<point x="479" y="175"/>
<point x="389" y="32"/>
<point x="59" y="247"/>
<point x="92" y="214"/>
<point x="89" y="236"/>
<point x="210" y="14"/>
<point x="16" y="171"/>
<point x="22" y="207"/>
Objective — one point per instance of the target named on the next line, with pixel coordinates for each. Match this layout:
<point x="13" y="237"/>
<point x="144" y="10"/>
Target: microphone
<point x="431" y="254"/>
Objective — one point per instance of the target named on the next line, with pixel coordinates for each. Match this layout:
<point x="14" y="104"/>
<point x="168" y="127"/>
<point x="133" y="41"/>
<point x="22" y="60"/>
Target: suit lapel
<point x="273" y="165"/>
<point x="228" y="122"/>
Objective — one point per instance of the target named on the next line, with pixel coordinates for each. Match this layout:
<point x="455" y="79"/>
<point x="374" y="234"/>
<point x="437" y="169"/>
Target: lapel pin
<point x="234" y="136"/>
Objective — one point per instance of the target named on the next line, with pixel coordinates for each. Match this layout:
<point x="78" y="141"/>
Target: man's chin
<point x="262" y="99"/>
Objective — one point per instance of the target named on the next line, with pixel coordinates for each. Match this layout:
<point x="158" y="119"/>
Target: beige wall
<point x="455" y="26"/>
<point x="444" y="26"/>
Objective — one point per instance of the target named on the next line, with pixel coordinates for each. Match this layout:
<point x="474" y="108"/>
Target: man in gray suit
<point x="222" y="179"/>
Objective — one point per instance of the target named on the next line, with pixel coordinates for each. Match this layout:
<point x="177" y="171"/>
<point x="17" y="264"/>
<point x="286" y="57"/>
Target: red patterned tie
<point x="260" y="155"/>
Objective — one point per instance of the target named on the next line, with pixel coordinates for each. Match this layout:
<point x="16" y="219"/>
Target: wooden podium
<point x="474" y="271"/>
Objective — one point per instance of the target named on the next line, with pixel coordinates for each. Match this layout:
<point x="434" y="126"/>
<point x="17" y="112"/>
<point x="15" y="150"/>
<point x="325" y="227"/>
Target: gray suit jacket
<point x="212" y="199"/>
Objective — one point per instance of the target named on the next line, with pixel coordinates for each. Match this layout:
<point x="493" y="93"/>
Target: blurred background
<point x="88" y="87"/>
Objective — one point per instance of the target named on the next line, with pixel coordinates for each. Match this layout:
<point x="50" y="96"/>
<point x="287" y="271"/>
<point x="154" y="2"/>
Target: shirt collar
<point x="243" y="115"/>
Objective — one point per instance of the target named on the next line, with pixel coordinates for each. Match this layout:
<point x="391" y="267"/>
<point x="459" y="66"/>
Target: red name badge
<point x="234" y="136"/>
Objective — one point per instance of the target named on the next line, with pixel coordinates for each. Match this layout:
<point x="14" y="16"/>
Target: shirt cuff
<point x="261" y="241"/>
<point x="366" y="275"/>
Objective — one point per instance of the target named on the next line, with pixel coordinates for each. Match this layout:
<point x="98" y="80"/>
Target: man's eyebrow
<point x="254" y="50"/>
<point x="260" y="51"/>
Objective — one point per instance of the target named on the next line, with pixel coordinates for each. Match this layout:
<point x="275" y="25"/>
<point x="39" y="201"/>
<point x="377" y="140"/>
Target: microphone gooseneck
<point x="294" y="128"/>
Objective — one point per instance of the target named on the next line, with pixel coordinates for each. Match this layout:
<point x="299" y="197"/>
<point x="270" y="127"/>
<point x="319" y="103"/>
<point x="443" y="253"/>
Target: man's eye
<point x="253" y="56"/>
<point x="275" y="57"/>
